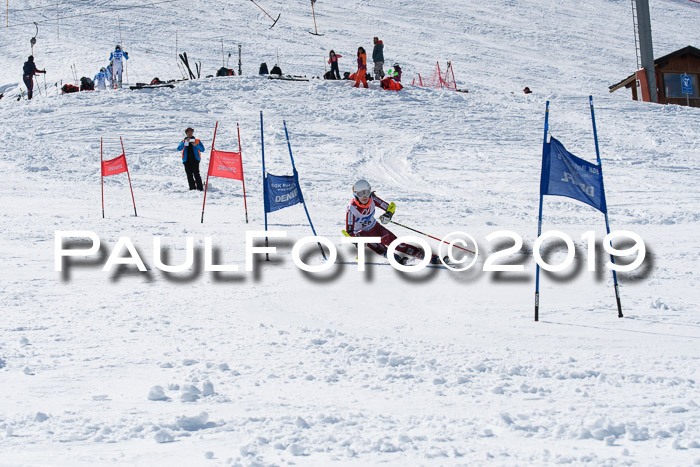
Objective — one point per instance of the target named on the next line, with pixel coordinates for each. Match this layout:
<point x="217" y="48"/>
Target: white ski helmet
<point x="361" y="189"/>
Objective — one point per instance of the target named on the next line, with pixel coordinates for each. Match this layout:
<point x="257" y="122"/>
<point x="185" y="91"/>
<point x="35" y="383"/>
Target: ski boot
<point x="403" y="260"/>
<point x="435" y="259"/>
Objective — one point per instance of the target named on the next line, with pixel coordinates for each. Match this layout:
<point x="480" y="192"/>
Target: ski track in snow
<point x="282" y="367"/>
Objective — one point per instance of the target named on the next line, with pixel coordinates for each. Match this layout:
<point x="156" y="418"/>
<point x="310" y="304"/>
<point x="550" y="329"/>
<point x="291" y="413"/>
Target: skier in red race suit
<point x="360" y="222"/>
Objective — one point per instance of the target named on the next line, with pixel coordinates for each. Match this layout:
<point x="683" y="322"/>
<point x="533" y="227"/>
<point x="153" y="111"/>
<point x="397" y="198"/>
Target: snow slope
<point x="282" y="367"/>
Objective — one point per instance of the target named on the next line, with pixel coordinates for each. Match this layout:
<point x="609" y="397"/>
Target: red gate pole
<point x="127" y="174"/>
<point x="102" y="181"/>
<point x="245" y="203"/>
<point x="209" y="171"/>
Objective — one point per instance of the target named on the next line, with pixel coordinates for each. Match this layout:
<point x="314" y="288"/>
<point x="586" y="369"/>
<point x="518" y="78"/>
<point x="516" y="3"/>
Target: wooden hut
<point x="669" y="69"/>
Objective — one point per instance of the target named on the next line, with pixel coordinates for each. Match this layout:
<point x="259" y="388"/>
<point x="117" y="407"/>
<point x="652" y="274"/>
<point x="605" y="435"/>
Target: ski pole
<point x="126" y="65"/>
<point x="430" y="236"/>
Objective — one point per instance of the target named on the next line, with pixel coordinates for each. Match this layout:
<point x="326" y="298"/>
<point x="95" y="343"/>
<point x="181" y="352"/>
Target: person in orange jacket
<point x="361" y="68"/>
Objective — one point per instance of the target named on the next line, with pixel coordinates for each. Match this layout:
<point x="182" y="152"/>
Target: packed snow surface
<point x="285" y="367"/>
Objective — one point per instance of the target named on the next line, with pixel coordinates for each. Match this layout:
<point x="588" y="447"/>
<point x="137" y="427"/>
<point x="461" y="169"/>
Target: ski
<point x="151" y="86"/>
<point x="374" y="263"/>
<point x="187" y="64"/>
<point x="289" y="78"/>
<point x="183" y="57"/>
<point x="429" y="266"/>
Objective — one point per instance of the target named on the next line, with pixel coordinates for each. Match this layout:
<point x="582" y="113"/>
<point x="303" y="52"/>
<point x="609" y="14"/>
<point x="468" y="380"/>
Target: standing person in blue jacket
<point x="378" y="58"/>
<point x="117" y="58"/>
<point x="191" y="149"/>
<point x="100" y="80"/>
<point x="29" y="71"/>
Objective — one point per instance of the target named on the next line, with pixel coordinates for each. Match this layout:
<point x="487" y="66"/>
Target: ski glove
<point x="386" y="217"/>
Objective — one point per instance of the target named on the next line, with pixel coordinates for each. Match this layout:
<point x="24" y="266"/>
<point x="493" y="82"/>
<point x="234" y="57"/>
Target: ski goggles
<point x="363" y="193"/>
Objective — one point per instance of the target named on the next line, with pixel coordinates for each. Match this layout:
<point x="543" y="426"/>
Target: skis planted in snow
<point x="183" y="57"/>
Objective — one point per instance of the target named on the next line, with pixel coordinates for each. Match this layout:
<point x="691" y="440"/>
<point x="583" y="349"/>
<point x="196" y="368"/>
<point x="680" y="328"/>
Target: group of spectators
<point x="391" y="80"/>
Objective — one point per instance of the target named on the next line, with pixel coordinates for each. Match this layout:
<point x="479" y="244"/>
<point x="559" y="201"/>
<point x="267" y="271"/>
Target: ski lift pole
<point x="430" y="236"/>
<point x="274" y="21"/>
<point x="313" y="12"/>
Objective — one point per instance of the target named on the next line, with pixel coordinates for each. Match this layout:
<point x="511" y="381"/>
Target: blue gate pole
<point x="539" y="217"/>
<point x="607" y="225"/>
<point x="296" y="177"/>
<point x="262" y="145"/>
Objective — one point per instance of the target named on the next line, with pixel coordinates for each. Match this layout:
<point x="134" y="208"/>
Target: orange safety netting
<point x="438" y="79"/>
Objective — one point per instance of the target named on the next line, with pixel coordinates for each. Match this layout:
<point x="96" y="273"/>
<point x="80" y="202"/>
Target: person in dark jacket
<point x="29" y="71"/>
<point x="378" y="58"/>
<point x="333" y="62"/>
<point x="191" y="149"/>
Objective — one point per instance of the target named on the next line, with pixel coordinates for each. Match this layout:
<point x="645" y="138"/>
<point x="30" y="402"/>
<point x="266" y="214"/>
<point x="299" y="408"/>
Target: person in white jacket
<point x="101" y="79"/>
<point x="117" y="57"/>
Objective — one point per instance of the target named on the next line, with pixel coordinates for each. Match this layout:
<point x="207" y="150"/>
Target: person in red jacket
<point x="333" y="62"/>
<point x="361" y="68"/>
